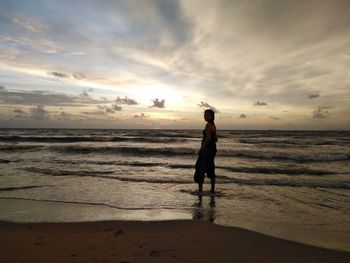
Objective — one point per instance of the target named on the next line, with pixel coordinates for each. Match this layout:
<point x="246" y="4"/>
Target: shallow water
<point x="290" y="184"/>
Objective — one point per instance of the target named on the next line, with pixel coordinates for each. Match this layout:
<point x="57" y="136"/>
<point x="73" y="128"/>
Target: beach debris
<point x="118" y="232"/>
<point x="154" y="253"/>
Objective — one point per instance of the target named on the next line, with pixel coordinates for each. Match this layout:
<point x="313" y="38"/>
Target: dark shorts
<point x="205" y="165"/>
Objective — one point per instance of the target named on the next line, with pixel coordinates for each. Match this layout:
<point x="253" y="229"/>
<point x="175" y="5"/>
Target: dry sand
<point x="162" y="241"/>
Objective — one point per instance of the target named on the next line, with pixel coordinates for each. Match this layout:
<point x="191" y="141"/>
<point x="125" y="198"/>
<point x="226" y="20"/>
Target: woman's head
<point x="209" y="115"/>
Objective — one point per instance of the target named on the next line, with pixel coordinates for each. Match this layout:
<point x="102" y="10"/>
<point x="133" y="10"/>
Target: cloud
<point x="142" y="116"/>
<point x="78" y="76"/>
<point x="93" y="112"/>
<point x="27" y="25"/>
<point x="112" y="109"/>
<point x="158" y="103"/>
<point x="313" y="95"/>
<point x="20" y="114"/>
<point x="39" y="113"/>
<point x="275" y="118"/>
<point x="318" y="115"/>
<point x="19" y="111"/>
<point x="321" y="112"/>
<point x="58" y="74"/>
<point x="2" y="87"/>
<point x="126" y="101"/>
<point x="206" y="105"/>
<point x="34" y="97"/>
<point x="116" y="107"/>
<point x="260" y="103"/>
<point x="84" y="94"/>
<point x="76" y="53"/>
<point x="242" y="116"/>
<point x="64" y="116"/>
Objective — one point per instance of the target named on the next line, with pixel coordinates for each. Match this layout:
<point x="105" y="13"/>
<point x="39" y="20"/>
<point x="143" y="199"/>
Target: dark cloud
<point x="142" y="116"/>
<point x="58" y="74"/>
<point x="126" y="101"/>
<point x="260" y="103"/>
<point x="313" y="95"/>
<point x="174" y="20"/>
<point x="39" y="113"/>
<point x="84" y="94"/>
<point x="20" y="111"/>
<point x="110" y="110"/>
<point x="85" y="98"/>
<point x="206" y="105"/>
<point x="274" y="118"/>
<point x="34" y="97"/>
<point x="78" y="76"/>
<point x="116" y="107"/>
<point x="158" y="104"/>
<point x="93" y="112"/>
<point x="64" y="116"/>
<point x="321" y="112"/>
<point x="20" y="114"/>
<point x="39" y="97"/>
<point x="242" y="116"/>
<point x="62" y="75"/>
<point x="318" y="115"/>
<point x="2" y="87"/>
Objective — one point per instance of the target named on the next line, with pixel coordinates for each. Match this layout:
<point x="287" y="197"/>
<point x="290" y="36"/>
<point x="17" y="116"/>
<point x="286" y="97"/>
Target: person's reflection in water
<point x="211" y="210"/>
<point x="198" y="209"/>
<point x="201" y="213"/>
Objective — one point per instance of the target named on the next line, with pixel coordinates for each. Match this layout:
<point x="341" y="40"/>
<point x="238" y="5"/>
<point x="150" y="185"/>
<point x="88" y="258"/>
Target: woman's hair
<point x="212" y="114"/>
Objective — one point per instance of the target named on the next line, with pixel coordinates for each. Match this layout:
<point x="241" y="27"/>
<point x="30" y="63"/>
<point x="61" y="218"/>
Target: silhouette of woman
<point x="206" y="154"/>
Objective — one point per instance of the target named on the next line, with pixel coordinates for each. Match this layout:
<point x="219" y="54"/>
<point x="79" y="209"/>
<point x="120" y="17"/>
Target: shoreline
<point x="151" y="241"/>
<point x="18" y="210"/>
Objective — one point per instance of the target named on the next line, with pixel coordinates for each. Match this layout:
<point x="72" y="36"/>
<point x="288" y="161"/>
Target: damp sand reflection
<point x="204" y="207"/>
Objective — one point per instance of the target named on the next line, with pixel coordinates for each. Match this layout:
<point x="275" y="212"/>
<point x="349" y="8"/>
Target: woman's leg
<point x="200" y="187"/>
<point x="212" y="182"/>
<point x="212" y="170"/>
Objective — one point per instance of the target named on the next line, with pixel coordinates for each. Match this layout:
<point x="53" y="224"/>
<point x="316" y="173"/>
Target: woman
<point x="205" y="161"/>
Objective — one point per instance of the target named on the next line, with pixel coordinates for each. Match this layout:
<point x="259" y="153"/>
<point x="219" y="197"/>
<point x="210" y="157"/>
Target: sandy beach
<point x="158" y="241"/>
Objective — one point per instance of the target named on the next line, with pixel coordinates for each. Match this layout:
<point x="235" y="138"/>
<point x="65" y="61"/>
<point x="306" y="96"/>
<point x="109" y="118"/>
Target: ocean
<point x="289" y="184"/>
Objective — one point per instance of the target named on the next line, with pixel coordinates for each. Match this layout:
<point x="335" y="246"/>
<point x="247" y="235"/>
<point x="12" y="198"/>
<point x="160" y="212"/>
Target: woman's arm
<point x="208" y="130"/>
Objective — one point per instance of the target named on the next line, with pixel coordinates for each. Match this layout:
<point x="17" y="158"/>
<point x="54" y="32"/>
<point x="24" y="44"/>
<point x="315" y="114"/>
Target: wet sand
<point x="157" y="241"/>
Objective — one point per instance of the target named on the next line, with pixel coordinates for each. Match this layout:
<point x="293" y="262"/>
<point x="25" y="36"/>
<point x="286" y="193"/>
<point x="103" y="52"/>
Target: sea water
<point x="289" y="184"/>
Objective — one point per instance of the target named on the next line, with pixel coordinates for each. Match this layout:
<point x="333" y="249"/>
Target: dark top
<point x="213" y="139"/>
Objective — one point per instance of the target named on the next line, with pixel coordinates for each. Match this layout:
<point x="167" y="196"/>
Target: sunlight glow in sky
<point x="262" y="64"/>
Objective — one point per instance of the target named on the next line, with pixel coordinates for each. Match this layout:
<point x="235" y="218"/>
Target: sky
<point x="157" y="64"/>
